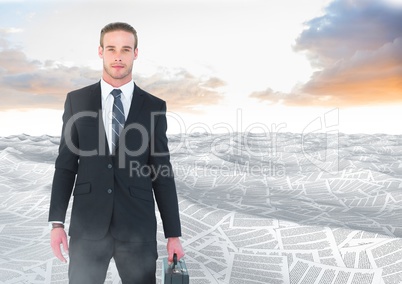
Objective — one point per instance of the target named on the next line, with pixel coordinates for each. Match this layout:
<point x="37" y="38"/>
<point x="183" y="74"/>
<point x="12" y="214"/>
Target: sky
<point x="221" y="65"/>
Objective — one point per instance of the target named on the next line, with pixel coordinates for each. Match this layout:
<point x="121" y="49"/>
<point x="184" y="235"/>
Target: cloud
<point x="182" y="90"/>
<point x="10" y="30"/>
<point x="356" y="49"/>
<point x="27" y="84"/>
<point x="4" y="33"/>
<point x="367" y="77"/>
<point x="14" y="61"/>
<point x="347" y="27"/>
<point x="270" y="96"/>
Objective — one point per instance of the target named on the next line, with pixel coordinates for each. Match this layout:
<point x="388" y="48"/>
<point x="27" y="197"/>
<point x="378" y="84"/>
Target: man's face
<point x="118" y="55"/>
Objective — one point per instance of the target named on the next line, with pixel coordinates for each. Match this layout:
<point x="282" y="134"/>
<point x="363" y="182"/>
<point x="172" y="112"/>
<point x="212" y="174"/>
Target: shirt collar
<point x="127" y="90"/>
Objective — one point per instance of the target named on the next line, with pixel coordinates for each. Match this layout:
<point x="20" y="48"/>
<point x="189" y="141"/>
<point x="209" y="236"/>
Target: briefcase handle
<point x="174" y="268"/>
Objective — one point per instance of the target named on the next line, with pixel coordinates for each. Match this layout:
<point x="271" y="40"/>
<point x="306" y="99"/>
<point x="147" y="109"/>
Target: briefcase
<point x="176" y="273"/>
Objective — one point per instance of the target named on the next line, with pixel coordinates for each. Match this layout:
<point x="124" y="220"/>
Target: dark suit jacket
<point x="114" y="192"/>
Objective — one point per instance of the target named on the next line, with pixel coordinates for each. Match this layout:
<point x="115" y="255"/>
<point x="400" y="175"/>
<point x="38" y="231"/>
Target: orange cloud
<point x="27" y="84"/>
<point x="368" y="77"/>
<point x="356" y="46"/>
<point x="183" y="91"/>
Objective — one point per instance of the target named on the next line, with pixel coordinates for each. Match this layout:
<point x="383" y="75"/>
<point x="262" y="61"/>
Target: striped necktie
<point x="118" y="118"/>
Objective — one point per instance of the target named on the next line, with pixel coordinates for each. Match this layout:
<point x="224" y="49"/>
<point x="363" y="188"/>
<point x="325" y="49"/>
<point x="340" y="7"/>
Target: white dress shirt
<point x="107" y="105"/>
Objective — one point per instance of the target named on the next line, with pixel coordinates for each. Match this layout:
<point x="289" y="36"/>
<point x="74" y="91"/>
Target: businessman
<point x="114" y="159"/>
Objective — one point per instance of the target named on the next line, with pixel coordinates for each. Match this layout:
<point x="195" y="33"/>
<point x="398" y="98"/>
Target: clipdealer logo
<point x="324" y="156"/>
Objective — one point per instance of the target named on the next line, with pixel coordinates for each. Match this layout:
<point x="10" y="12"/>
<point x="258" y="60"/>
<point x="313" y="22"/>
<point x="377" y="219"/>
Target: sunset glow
<point x="277" y="63"/>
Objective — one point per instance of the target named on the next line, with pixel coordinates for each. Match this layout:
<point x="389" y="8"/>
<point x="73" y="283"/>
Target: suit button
<point x="109" y="191"/>
<point x="109" y="166"/>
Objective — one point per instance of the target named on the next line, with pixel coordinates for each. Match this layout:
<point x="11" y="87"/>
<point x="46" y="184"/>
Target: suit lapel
<point x="136" y="106"/>
<point x="96" y="99"/>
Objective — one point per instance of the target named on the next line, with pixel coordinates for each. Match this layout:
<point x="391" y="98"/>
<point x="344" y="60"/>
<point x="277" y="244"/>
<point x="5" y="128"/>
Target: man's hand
<point x="174" y="247"/>
<point x="57" y="237"/>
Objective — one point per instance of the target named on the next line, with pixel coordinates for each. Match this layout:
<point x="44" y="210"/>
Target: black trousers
<point x="89" y="261"/>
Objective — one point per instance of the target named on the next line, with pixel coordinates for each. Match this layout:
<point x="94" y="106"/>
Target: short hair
<point x="119" y="26"/>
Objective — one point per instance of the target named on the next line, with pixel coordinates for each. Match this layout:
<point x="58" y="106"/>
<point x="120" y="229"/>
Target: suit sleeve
<point x="65" y="167"/>
<point x="163" y="179"/>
